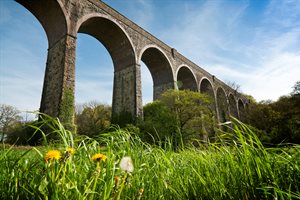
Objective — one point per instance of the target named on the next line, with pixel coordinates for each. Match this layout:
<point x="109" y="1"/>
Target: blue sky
<point x="253" y="43"/>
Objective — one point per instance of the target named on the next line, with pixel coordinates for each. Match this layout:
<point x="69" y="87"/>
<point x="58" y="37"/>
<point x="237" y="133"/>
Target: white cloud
<point x="264" y="59"/>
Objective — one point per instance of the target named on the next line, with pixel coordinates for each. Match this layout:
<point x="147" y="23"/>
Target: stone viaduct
<point x="128" y="45"/>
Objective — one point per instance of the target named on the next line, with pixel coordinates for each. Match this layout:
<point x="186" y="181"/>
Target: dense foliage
<point x="180" y="116"/>
<point x="277" y="122"/>
<point x="9" y="118"/>
<point x="93" y="119"/>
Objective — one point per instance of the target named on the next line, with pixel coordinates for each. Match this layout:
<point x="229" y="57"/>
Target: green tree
<point x="93" y="118"/>
<point x="182" y="115"/>
<point x="296" y="88"/>
<point x="264" y="119"/>
<point x="288" y="124"/>
<point x="280" y="120"/>
<point x="9" y="116"/>
<point x="159" y="123"/>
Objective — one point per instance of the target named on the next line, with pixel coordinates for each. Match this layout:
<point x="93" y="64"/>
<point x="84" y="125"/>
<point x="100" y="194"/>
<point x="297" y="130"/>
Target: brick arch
<point x="222" y="104"/>
<point x="113" y="37"/>
<point x="186" y="78"/>
<point x="51" y="15"/>
<point x="160" y="68"/>
<point x="232" y="106"/>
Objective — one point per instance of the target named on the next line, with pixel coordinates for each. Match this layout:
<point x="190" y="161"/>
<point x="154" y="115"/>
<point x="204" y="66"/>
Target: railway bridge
<point x="128" y="45"/>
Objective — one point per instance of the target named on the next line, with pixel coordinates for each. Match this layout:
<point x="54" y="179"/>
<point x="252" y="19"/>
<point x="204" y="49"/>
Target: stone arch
<point x="222" y="105"/>
<point x="232" y="106"/>
<point x="51" y="15"/>
<point x="127" y="101"/>
<point x="112" y="36"/>
<point x="159" y="67"/>
<point x="186" y="79"/>
<point x="241" y="109"/>
<point x="57" y="80"/>
<point x="206" y="87"/>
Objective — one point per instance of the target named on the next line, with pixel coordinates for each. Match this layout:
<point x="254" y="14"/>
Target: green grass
<point x="235" y="167"/>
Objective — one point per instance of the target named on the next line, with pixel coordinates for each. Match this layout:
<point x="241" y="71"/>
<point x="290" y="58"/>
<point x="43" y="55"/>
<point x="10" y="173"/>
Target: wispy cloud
<point x="263" y="57"/>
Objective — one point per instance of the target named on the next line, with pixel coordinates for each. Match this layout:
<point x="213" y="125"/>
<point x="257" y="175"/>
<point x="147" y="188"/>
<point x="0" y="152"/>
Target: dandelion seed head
<point x="126" y="164"/>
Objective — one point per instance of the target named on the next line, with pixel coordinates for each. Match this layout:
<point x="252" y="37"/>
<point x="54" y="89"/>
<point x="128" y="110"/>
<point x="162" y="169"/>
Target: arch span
<point x="186" y="80"/>
<point x="127" y="72"/>
<point x="232" y="106"/>
<point x="59" y="77"/>
<point x="52" y="17"/>
<point x="222" y="105"/>
<point x="160" y="69"/>
<point x="206" y="87"/>
<point x="241" y="109"/>
<point x="112" y="36"/>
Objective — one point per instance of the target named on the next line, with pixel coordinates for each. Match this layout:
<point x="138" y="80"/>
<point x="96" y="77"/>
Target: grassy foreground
<point x="237" y="167"/>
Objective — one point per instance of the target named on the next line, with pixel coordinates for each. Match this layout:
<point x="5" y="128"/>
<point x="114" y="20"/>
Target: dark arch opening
<point x="160" y="70"/>
<point x="206" y="88"/>
<point x="186" y="80"/>
<point x="241" y="108"/>
<point x="50" y="15"/>
<point x="222" y="105"/>
<point x="232" y="106"/>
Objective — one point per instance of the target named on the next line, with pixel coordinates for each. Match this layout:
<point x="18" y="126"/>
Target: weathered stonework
<point x="128" y="45"/>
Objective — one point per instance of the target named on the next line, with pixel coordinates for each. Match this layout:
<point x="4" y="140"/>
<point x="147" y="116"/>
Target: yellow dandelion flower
<point x="70" y="151"/>
<point x="52" y="155"/>
<point x="98" y="157"/>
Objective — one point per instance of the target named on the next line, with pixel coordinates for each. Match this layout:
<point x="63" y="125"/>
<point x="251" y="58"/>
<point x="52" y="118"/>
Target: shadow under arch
<point x="232" y="106"/>
<point x="126" y="103"/>
<point x="242" y="110"/>
<point x="160" y="69"/>
<point x="206" y="87"/>
<point x="186" y="79"/>
<point x="222" y="105"/>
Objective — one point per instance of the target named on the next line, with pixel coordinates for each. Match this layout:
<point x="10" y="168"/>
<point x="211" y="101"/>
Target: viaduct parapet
<point x="128" y="45"/>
